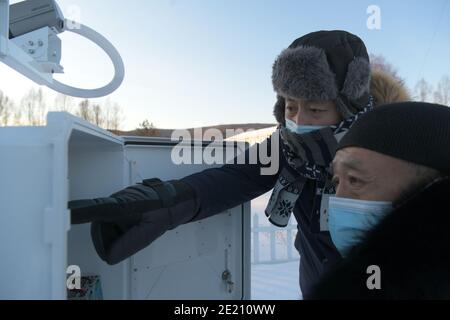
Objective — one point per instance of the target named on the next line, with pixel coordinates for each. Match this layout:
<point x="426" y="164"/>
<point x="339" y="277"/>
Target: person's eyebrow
<point x="319" y="104"/>
<point x="350" y="164"/>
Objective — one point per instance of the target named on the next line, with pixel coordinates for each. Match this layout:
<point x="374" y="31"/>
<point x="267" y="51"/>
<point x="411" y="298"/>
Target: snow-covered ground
<point x="274" y="281"/>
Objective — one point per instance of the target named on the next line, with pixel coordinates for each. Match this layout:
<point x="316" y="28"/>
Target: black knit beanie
<point x="324" y="65"/>
<point x="416" y="132"/>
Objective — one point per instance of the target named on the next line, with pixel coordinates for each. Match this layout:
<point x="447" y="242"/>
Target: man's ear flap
<point x="280" y="110"/>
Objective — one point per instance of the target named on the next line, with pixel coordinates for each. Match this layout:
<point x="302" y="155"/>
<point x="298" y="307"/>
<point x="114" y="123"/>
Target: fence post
<point x="255" y="239"/>
<point x="272" y="245"/>
<point x="289" y="243"/>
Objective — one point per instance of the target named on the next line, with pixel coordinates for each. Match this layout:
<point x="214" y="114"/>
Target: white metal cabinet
<point x="42" y="168"/>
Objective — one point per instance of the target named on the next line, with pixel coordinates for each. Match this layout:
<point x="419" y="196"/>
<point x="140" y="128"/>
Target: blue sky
<point x="194" y="63"/>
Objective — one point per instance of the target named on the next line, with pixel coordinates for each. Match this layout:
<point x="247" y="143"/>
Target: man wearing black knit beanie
<point x="390" y="218"/>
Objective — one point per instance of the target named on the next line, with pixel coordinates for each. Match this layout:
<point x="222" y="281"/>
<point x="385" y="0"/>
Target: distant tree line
<point x="423" y="90"/>
<point x="34" y="105"/>
<point x="440" y="94"/>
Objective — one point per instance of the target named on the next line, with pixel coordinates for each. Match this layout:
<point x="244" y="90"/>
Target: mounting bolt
<point x="31" y="51"/>
<point x="40" y="43"/>
<point x="31" y="43"/>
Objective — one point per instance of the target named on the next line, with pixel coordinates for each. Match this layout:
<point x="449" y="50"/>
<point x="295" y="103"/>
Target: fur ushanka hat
<point x="324" y="65"/>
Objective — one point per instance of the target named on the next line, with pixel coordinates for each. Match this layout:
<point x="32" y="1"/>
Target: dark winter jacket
<point x="411" y="247"/>
<point x="220" y="189"/>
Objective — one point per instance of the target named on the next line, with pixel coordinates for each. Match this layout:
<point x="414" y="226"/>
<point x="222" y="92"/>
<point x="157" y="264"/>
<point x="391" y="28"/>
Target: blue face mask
<point x="299" y="129"/>
<point x="350" y="219"/>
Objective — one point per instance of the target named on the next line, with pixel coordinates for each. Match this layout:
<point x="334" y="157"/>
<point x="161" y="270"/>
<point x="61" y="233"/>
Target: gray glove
<point x="130" y="220"/>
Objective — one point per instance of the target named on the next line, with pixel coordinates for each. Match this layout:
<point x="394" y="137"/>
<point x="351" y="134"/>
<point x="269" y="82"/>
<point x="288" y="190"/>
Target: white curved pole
<point x="110" y="50"/>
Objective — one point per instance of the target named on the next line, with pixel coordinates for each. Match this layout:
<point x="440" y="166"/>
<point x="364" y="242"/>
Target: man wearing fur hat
<point x="391" y="212"/>
<point x="323" y="83"/>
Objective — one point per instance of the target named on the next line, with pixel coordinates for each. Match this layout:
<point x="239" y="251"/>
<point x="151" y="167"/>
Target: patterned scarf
<point x="310" y="155"/>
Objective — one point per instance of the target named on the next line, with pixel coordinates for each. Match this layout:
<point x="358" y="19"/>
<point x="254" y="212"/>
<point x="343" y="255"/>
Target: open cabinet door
<point x="205" y="260"/>
<point x="42" y="168"/>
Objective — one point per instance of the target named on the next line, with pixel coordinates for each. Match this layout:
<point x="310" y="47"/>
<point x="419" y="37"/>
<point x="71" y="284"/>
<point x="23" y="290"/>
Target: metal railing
<point x="285" y="236"/>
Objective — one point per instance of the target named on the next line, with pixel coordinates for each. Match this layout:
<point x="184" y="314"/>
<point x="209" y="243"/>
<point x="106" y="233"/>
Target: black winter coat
<point x="411" y="247"/>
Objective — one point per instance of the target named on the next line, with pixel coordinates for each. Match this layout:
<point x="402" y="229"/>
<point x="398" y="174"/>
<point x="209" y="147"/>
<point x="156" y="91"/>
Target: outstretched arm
<point x="219" y="189"/>
<point x="130" y="220"/>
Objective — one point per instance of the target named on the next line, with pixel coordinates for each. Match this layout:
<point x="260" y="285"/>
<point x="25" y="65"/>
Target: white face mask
<point x="300" y="129"/>
<point x="350" y="219"/>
